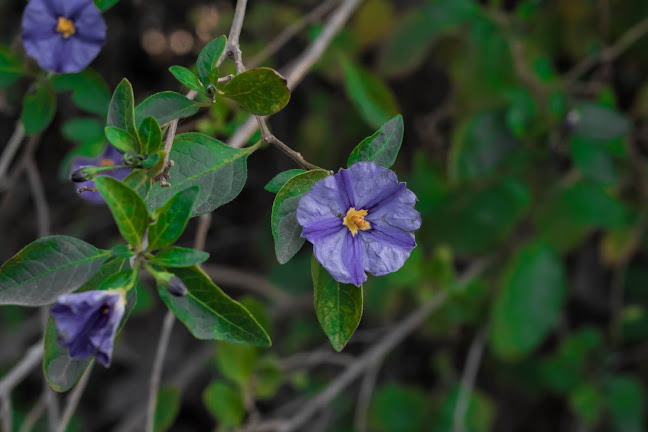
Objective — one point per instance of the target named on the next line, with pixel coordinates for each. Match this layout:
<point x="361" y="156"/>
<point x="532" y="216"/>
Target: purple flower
<point x="64" y="36"/>
<point x="87" y="323"/>
<point x="360" y="219"/>
<point x="108" y="157"/>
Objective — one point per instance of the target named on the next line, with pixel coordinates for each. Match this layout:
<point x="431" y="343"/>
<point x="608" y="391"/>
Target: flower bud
<point x="176" y="287"/>
<point x="81" y="175"/>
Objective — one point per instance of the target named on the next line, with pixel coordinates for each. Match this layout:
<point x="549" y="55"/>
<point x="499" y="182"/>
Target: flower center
<point x="66" y="27"/>
<point x="107" y="162"/>
<point x="354" y="220"/>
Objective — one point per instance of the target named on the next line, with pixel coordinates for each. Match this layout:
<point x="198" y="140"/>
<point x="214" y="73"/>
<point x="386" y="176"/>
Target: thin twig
<point x="468" y="381"/>
<point x="204" y="222"/>
<point x="34" y="414"/>
<point x="626" y="40"/>
<point x="364" y="397"/>
<point x="38" y="194"/>
<point x="31" y="359"/>
<point x="10" y="151"/>
<point x="6" y="413"/>
<point x="289" y="32"/>
<point x="156" y="374"/>
<point x="74" y="398"/>
<point x="234" y="52"/>
<point x="300" y="67"/>
<point x="168" y="144"/>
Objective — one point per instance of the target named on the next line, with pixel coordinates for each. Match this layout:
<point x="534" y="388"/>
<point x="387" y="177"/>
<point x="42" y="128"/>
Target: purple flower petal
<point x="323" y="228"/>
<point x="386" y="249"/>
<point x="87" y="323"/>
<point x="370" y="182"/>
<point x="397" y="210"/>
<point x="321" y="202"/>
<point x="352" y="257"/>
<point x="328" y="251"/>
<point x="345" y="188"/>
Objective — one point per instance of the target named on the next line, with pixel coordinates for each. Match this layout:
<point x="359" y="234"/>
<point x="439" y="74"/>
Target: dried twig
<point x="31" y="359"/>
<point x="10" y="151"/>
<point x="74" y="398"/>
<point x="156" y="374"/>
<point x="468" y="380"/>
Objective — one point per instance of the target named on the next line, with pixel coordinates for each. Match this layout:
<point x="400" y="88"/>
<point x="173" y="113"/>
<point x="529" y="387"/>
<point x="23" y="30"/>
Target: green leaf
<point x="209" y="57"/>
<point x="140" y="181"/>
<point x="383" y="146"/>
<point x="280" y="179"/>
<point x="125" y="279"/>
<point x="479" y="416"/>
<point x="121" y="111"/>
<point x="210" y="314"/>
<point x="593" y="160"/>
<point x="480" y="146"/>
<point x="225" y="403"/>
<point x="39" y="108"/>
<point x="397" y="408"/>
<point x="150" y="135"/>
<point x="47" y="268"/>
<point x="176" y="256"/>
<point x="122" y="140"/>
<point x="104" y="5"/>
<point x="166" y="408"/>
<point x="408" y="46"/>
<point x="626" y="399"/>
<point x="61" y="371"/>
<point x="172" y="218"/>
<point x="338" y="306"/>
<point x="601" y="123"/>
<point x="11" y="68"/>
<point x="90" y="91"/>
<point x="286" y="231"/>
<point x="529" y="303"/>
<point x="259" y="91"/>
<point x="186" y="78"/>
<point x="586" y="402"/>
<point x="165" y="107"/>
<point x="219" y="170"/>
<point x="127" y="207"/>
<point x="84" y="130"/>
<point x="121" y="251"/>
<point x="474" y="220"/>
<point x="371" y="96"/>
<point x="237" y="362"/>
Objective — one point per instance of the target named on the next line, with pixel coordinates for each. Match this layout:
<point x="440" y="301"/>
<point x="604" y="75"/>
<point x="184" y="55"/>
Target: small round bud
<point x="80" y="176"/>
<point x="572" y="119"/>
<point x="176" y="287"/>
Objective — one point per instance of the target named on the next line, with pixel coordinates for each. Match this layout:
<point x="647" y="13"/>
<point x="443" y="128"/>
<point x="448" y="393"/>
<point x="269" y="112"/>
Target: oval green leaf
<point x="286" y="231"/>
<point x="127" y="207"/>
<point x="280" y="179"/>
<point x="259" y="91"/>
<point x="172" y="218"/>
<point x="121" y="111"/>
<point x="529" y="303"/>
<point x="178" y="257"/>
<point x="383" y="146"/>
<point x="338" y="306"/>
<point x="39" y="108"/>
<point x="165" y="107"/>
<point x="209" y="314"/>
<point x="219" y="170"/>
<point x="186" y="78"/>
<point x="47" y="268"/>
<point x="209" y="57"/>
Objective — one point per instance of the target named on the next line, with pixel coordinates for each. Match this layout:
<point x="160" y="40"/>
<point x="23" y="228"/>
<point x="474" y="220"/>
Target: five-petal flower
<point x="360" y="219"/>
<point x="87" y="323"/>
<point x="64" y="36"/>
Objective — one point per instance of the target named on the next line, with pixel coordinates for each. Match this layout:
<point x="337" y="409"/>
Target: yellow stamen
<point x="107" y="162"/>
<point x="66" y="27"/>
<point x="354" y="220"/>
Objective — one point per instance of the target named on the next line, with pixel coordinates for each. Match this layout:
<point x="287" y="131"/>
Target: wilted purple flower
<point x="108" y="157"/>
<point x="87" y="323"/>
<point x="64" y="36"/>
<point x="360" y="219"/>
